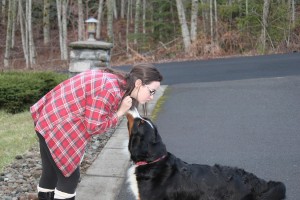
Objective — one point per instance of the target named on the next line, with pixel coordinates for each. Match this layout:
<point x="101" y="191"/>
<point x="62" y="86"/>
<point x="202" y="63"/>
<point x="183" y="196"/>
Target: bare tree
<point x="99" y="17"/>
<point x="23" y="37"/>
<point x="46" y="22"/>
<point x="216" y="21"/>
<point x="59" y="15"/>
<point x="130" y="2"/>
<point x="264" y="24"/>
<point x="137" y="19"/>
<point x="291" y="16"/>
<point x="194" y="17"/>
<point x="293" y="12"/>
<point x="26" y="32"/>
<point x="122" y="9"/>
<point x="211" y="21"/>
<point x="110" y="19"/>
<point x="127" y="24"/>
<point x="184" y="28"/>
<point x="8" y="35"/>
<point x="247" y="7"/>
<point x="80" y="21"/>
<point x="144" y="16"/>
<point x="30" y="32"/>
<point x="115" y="10"/>
<point x="13" y="31"/>
<point x="204" y="16"/>
<point x="62" y="27"/>
<point x="3" y="8"/>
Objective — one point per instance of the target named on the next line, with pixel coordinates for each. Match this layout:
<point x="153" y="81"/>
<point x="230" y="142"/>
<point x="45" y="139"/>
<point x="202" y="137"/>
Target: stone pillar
<point x="85" y="55"/>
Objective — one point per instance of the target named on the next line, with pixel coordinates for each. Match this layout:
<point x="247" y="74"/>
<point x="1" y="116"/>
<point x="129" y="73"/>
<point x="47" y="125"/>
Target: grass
<point x="17" y="135"/>
<point x="159" y="104"/>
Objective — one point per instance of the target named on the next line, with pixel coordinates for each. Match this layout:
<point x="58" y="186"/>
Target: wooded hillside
<point x="35" y="34"/>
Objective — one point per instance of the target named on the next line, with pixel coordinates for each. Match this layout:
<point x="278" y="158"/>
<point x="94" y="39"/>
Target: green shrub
<point x="19" y="90"/>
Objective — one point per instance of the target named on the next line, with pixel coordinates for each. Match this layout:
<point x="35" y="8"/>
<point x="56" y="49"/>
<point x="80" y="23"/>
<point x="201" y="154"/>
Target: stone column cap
<point x="91" y="45"/>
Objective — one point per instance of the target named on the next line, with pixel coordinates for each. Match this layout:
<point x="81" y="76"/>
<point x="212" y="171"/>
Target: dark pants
<point x="51" y="176"/>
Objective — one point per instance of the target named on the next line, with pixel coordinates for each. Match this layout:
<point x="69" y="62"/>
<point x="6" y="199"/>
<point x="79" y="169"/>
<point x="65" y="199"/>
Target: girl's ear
<point x="138" y="83"/>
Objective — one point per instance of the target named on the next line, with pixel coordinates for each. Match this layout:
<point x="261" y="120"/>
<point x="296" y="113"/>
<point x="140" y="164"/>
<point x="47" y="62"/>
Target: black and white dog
<point x="159" y="175"/>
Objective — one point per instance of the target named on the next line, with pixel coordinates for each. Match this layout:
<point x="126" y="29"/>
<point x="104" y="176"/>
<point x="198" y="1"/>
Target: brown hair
<point x="146" y="72"/>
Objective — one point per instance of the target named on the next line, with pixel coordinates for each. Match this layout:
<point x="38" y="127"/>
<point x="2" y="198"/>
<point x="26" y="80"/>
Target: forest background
<point x="36" y="34"/>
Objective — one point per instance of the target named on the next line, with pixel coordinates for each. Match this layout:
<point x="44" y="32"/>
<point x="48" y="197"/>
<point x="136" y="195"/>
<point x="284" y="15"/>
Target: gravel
<point x="19" y="180"/>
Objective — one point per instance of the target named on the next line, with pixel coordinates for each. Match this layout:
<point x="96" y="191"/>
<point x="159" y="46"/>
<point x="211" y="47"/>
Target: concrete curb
<point x="104" y="178"/>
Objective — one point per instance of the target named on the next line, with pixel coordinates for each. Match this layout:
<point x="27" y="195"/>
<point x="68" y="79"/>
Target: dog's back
<point x="173" y="179"/>
<point x="276" y="191"/>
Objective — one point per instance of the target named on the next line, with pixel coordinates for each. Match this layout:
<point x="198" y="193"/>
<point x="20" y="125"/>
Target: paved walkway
<point x="104" y="178"/>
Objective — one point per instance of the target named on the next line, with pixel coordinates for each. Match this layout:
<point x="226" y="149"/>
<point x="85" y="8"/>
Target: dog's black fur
<point x="166" y="177"/>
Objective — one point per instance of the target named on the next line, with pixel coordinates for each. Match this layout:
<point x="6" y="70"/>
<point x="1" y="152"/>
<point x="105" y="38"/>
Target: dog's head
<point x="145" y="143"/>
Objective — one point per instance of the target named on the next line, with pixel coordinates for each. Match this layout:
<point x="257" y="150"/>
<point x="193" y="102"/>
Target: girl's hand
<point x="125" y="106"/>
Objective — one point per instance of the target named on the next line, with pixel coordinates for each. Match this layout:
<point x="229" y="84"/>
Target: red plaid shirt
<point x="73" y="111"/>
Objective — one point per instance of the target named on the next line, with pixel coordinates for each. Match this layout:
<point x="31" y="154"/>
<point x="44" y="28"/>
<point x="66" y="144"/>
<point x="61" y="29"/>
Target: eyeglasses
<point x="152" y="92"/>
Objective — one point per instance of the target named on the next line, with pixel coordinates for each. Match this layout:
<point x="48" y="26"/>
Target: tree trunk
<point x="204" y="16"/>
<point x="46" y="22"/>
<point x="137" y="19"/>
<point x="110" y="19"/>
<point x="293" y="12"/>
<point x="216" y="22"/>
<point x="62" y="27"/>
<point x="8" y="35"/>
<point x="194" y="17"/>
<point x="131" y="10"/>
<point x="115" y="11"/>
<point x="127" y="25"/>
<point x="247" y="8"/>
<point x="122" y="9"/>
<point x="23" y="34"/>
<point x="29" y="30"/>
<point x="58" y="7"/>
<point x="80" y="21"/>
<point x="144" y="16"/>
<point x="14" y="17"/>
<point x="184" y="28"/>
<point x="264" y="24"/>
<point x="211" y="22"/>
<point x="3" y="8"/>
<point x="98" y="29"/>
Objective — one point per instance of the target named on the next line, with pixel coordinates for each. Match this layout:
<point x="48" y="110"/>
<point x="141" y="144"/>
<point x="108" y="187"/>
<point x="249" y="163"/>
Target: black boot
<point x="46" y="195"/>
<point x="73" y="198"/>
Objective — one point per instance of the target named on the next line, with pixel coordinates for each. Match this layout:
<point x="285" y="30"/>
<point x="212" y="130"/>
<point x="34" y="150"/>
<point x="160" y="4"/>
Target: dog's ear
<point x="130" y="121"/>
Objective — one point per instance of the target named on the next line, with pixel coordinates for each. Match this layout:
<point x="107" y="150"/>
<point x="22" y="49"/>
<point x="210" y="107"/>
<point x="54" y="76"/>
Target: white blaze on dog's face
<point x="131" y="115"/>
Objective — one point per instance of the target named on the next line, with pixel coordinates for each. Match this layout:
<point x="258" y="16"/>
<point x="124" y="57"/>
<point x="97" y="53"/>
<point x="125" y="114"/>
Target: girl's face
<point x="144" y="93"/>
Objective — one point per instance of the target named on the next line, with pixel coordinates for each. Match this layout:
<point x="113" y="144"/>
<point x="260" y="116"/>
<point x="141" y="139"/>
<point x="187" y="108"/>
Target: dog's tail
<point x="276" y="191"/>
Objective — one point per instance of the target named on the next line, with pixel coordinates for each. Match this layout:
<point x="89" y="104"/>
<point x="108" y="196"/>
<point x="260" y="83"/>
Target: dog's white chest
<point x="131" y="179"/>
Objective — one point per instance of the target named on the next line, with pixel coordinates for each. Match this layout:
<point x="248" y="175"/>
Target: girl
<point x="86" y="104"/>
